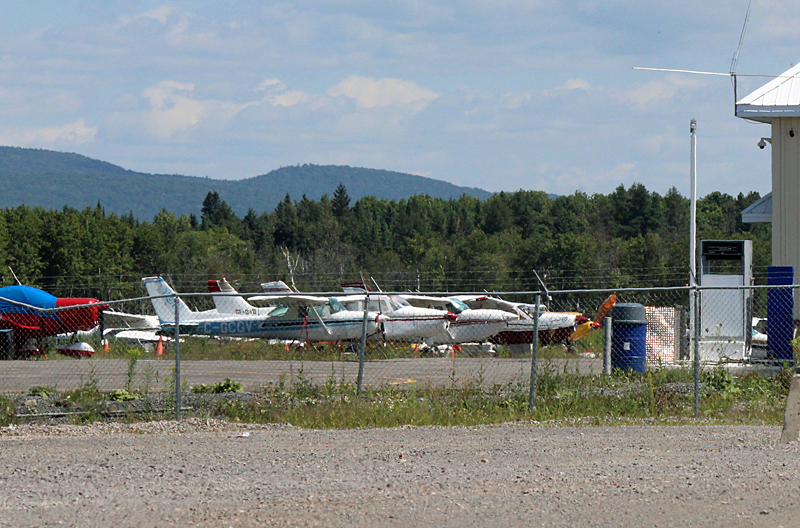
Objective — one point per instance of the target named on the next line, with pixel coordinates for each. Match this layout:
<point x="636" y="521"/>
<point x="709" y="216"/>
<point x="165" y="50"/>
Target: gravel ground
<point x="211" y="473"/>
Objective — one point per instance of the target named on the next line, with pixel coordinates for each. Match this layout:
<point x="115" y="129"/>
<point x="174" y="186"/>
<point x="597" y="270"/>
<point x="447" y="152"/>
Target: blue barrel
<point x="629" y="336"/>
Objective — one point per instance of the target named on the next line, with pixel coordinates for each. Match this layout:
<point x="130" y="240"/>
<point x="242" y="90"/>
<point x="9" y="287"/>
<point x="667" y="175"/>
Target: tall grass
<point x="663" y="395"/>
<point x="660" y="396"/>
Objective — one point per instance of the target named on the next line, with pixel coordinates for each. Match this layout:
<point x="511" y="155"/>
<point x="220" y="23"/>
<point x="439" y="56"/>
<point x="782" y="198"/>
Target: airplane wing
<point x="137" y="335"/>
<point x="112" y="319"/>
<point x="484" y="301"/>
<point x="425" y="301"/>
<point x="290" y="300"/>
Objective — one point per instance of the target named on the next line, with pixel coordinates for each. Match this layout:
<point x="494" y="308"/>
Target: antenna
<point x="15" y="277"/>
<point x="546" y="292"/>
<point x="682" y="71"/>
<point x="735" y="59"/>
<point x="734" y="62"/>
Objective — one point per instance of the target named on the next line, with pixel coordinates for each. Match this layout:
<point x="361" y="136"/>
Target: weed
<point x="43" y="391"/>
<point x="718" y="379"/>
<point x="121" y="395"/>
<point x="218" y="388"/>
<point x="130" y="375"/>
<point x="8" y="410"/>
<point x="303" y="387"/>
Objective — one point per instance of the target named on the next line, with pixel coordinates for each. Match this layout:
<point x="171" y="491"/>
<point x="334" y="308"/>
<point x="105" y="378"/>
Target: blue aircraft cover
<point x="27" y="295"/>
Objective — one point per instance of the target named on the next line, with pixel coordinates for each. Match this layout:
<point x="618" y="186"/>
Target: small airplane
<point x="289" y="316"/>
<point x="470" y="326"/>
<point x="401" y="321"/>
<point x="137" y="328"/>
<point x="31" y="314"/>
<point x="554" y="327"/>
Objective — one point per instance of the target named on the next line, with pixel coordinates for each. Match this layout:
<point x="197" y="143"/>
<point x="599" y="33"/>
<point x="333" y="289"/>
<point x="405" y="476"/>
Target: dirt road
<point x="213" y="474"/>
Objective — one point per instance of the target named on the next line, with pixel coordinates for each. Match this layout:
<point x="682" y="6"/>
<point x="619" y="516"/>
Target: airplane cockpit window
<point x="279" y="311"/>
<point x="399" y="301"/>
<point x="353" y="306"/>
<point x="335" y="306"/>
<point x="530" y="309"/>
<point x="458" y="306"/>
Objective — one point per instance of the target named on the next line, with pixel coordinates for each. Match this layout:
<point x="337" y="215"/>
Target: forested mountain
<point x="631" y="237"/>
<point x="54" y="179"/>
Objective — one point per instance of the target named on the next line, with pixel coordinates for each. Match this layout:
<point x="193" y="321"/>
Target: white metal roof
<point x="759" y="211"/>
<point x="778" y="98"/>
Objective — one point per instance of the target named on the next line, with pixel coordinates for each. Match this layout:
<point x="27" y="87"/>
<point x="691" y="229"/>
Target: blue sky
<point x="502" y="95"/>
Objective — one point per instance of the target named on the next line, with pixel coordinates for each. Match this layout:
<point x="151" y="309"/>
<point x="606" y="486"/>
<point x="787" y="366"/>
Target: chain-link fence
<point x="433" y="339"/>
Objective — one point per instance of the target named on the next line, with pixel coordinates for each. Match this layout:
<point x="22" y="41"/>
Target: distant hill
<point x="53" y="179"/>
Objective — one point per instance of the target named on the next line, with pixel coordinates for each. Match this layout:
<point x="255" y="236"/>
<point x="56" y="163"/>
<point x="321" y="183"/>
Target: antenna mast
<point x="735" y="59"/>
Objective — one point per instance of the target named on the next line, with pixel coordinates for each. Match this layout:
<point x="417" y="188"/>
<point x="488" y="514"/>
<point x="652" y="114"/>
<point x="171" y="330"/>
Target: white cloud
<point x="577" y="84"/>
<point x="645" y="96"/>
<point x="514" y="100"/>
<point x="278" y="95"/>
<point x="69" y="134"/>
<point x="269" y="83"/>
<point x="172" y="110"/>
<point x="161" y="14"/>
<point x="569" y="86"/>
<point x="289" y="98"/>
<point x="371" y="93"/>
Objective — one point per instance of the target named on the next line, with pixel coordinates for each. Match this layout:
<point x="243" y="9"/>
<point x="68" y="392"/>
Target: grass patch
<point x="658" y="396"/>
<point x="663" y="395"/>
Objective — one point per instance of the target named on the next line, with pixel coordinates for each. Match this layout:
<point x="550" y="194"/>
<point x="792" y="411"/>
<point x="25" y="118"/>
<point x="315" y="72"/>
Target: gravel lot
<point x="210" y="473"/>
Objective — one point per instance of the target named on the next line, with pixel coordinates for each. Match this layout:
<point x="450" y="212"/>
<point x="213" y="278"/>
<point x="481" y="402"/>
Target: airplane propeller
<point x="583" y="330"/>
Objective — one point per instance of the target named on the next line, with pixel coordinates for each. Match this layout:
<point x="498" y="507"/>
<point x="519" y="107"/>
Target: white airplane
<point x="554" y="327"/>
<point x="127" y="327"/>
<point x="401" y="321"/>
<point x="289" y="316"/>
<point x="470" y="326"/>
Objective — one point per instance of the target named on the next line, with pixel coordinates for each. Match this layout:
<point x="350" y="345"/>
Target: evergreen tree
<point x="340" y="205"/>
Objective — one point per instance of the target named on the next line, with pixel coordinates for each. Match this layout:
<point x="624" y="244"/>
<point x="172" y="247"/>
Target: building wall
<point x="786" y="195"/>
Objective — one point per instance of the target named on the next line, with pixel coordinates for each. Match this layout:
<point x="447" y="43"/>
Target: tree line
<point x="631" y="237"/>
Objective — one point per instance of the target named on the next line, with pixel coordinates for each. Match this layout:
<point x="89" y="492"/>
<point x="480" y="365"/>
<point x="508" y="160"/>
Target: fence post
<point x="607" y="332"/>
<point x="534" y="353"/>
<point x="696" y="336"/>
<point x="362" y="349"/>
<point x="177" y="360"/>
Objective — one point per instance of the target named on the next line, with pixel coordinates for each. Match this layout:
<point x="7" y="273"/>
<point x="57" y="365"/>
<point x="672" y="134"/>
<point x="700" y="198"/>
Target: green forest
<point x="629" y="238"/>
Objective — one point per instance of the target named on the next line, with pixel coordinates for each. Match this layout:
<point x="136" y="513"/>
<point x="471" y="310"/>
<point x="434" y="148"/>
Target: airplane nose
<point x="74" y="301"/>
<point x="81" y="317"/>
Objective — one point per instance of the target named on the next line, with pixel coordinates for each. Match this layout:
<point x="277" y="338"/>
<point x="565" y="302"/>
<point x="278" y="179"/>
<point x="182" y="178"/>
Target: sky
<point x="496" y="94"/>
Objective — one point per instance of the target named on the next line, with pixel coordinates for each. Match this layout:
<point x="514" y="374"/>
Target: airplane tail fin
<point x="228" y="303"/>
<point x="276" y="287"/>
<point x="355" y="287"/>
<point x="165" y="306"/>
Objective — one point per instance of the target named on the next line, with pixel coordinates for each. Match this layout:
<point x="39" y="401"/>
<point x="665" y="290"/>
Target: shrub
<point x="218" y="388"/>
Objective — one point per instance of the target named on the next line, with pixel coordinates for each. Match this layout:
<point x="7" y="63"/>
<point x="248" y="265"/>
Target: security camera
<point x="763" y="142"/>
